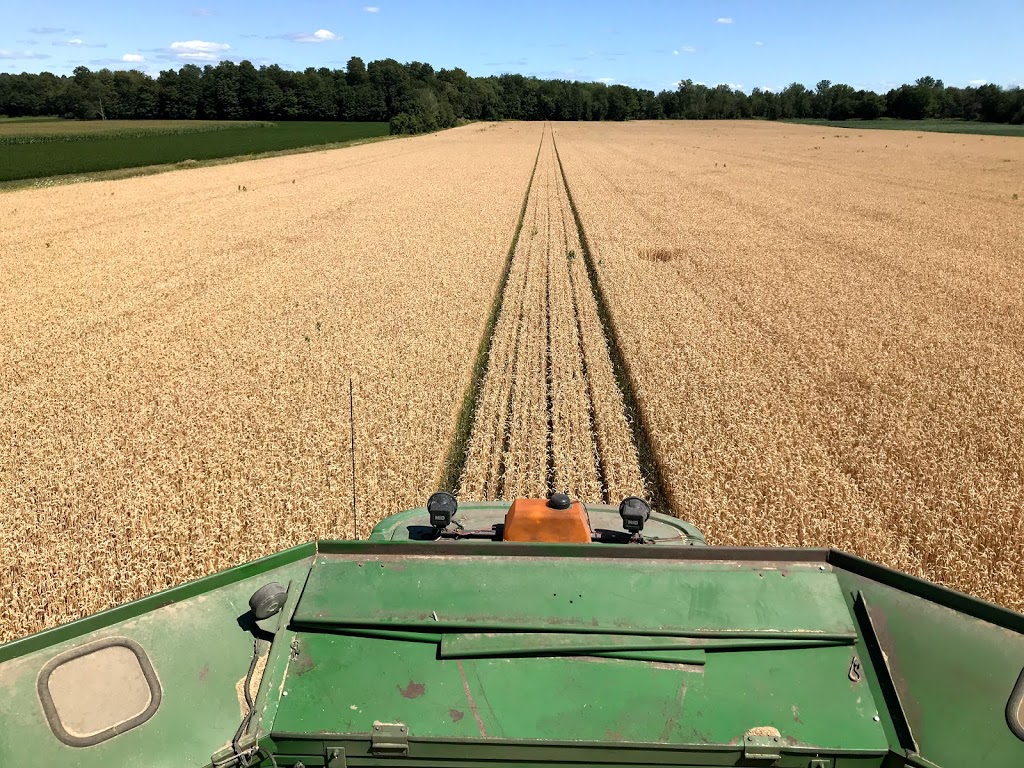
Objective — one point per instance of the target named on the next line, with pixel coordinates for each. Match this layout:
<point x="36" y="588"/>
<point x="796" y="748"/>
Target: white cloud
<point x="15" y="55"/>
<point x="77" y="42"/>
<point x="687" y="49"/>
<point x="977" y="82"/>
<point x="675" y="53"/>
<point x="320" y="36"/>
<point x="723" y="20"/>
<point x="48" y="30"/>
<point x="371" y="8"/>
<point x="198" y="50"/>
<point x="191" y="46"/>
<point x="606" y="80"/>
<point x="758" y="43"/>
<point x="133" y="57"/>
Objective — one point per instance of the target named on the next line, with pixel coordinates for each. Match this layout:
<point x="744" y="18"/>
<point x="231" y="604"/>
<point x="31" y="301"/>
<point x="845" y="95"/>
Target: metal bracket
<point x="856" y="672"/>
<point x="883" y="673"/>
<point x="334" y="757"/>
<point x="761" y="748"/>
<point x="820" y="764"/>
<point x="389" y="740"/>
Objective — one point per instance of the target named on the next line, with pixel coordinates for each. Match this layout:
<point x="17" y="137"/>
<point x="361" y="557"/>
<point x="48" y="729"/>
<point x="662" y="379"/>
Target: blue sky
<point x="649" y="44"/>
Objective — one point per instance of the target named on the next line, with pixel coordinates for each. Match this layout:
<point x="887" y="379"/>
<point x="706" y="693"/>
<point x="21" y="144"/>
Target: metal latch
<point x="762" y="744"/>
<point x="334" y="757"/>
<point x="389" y="740"/>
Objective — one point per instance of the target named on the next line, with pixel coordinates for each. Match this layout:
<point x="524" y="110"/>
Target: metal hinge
<point x="227" y="757"/>
<point x="389" y="740"/>
<point x="334" y="757"/>
<point x="761" y="747"/>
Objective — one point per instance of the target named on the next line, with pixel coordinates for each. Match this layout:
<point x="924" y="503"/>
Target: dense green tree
<point x="868" y="105"/>
<point x="426" y="99"/>
<point x="795" y="101"/>
<point x="250" y="97"/>
<point x="355" y="72"/>
<point x="315" y="96"/>
<point x="823" y="99"/>
<point x="907" y="103"/>
<point x="391" y="80"/>
<point x="190" y="91"/>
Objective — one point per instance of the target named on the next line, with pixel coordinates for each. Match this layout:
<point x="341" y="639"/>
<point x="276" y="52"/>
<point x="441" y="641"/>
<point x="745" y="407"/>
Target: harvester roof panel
<point x="599" y="595"/>
<point x="340" y="686"/>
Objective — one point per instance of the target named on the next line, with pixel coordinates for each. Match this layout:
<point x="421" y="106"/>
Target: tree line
<point x="414" y="97"/>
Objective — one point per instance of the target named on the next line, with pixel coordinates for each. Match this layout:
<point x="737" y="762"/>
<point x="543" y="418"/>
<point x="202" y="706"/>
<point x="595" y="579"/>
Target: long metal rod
<point x="352" y="433"/>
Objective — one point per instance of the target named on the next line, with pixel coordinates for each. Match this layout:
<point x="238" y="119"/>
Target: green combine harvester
<point x="544" y="633"/>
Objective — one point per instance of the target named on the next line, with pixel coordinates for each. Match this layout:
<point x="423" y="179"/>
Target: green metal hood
<point x="444" y="653"/>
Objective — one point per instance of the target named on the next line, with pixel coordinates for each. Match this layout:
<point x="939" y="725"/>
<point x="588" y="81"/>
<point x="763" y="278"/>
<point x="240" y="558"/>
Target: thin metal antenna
<point x="352" y="432"/>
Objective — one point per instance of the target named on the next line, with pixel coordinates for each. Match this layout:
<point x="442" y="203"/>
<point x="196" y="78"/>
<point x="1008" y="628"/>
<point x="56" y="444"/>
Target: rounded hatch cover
<point x="1015" y="708"/>
<point x="96" y="691"/>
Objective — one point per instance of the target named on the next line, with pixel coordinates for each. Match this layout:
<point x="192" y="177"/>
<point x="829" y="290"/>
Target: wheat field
<point x="825" y="333"/>
<point x="175" y="355"/>
<point x="551" y="416"/>
<point x="822" y="332"/>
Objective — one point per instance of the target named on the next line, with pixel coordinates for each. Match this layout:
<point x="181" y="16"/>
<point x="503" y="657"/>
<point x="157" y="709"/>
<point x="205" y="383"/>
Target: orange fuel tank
<point x="547" y="520"/>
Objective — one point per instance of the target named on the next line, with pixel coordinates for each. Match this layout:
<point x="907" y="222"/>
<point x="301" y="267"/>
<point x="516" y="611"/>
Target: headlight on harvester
<point x="634" y="512"/>
<point x="441" y="507"/>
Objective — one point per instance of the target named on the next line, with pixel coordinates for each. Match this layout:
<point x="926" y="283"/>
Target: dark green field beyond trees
<point x="932" y="126"/>
<point x="30" y="155"/>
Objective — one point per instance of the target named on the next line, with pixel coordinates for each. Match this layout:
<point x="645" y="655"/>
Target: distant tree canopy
<point x="416" y="98"/>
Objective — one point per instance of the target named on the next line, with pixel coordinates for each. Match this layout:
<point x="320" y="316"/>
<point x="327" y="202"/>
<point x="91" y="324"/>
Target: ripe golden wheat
<point x="175" y="357"/>
<point x="825" y="333"/>
<point x="550" y="414"/>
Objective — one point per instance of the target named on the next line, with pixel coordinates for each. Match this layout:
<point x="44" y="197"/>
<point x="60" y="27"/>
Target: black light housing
<point x="634" y="512"/>
<point x="559" y="500"/>
<point x="441" y="507"/>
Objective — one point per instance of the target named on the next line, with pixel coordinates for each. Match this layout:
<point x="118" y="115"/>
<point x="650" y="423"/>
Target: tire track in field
<point x="455" y="461"/>
<point x="647" y="464"/>
<point x="549" y="412"/>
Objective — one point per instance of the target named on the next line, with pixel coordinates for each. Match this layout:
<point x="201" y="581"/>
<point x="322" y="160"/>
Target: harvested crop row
<point x="481" y="477"/>
<point x="825" y="334"/>
<point x="175" y="353"/>
<point x="526" y="454"/>
<point x="619" y="464"/>
<point x="543" y="421"/>
<point x="572" y="429"/>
